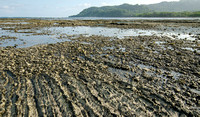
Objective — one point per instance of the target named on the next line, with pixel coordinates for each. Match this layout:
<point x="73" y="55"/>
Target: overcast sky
<point x="57" y="8"/>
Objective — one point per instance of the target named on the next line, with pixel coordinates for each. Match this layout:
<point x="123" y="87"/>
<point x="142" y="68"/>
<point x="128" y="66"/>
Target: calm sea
<point x="108" y="18"/>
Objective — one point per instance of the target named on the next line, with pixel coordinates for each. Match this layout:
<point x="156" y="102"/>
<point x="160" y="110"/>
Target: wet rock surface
<point x="102" y="76"/>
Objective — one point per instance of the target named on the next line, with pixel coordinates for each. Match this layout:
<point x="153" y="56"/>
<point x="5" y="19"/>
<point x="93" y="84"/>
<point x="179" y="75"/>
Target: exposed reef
<point x="102" y="76"/>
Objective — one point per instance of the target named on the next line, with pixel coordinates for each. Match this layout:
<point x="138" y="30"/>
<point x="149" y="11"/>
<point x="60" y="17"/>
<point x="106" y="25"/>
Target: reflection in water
<point x="31" y="37"/>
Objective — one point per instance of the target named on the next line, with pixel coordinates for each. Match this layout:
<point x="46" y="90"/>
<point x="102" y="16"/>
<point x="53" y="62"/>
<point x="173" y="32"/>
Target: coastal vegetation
<point x="169" y="14"/>
<point x="164" y="9"/>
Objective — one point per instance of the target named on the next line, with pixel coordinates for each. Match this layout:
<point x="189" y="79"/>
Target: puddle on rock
<point x="161" y="73"/>
<point x="195" y="91"/>
<point x="108" y="48"/>
<point x="15" y="23"/>
<point x="122" y="49"/>
<point x="125" y="75"/>
<point x="191" y="49"/>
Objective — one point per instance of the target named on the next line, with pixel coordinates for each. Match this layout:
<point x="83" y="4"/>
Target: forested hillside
<point x="182" y="8"/>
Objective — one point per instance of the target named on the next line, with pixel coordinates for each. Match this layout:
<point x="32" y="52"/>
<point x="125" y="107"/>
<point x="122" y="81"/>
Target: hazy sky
<point x="57" y="8"/>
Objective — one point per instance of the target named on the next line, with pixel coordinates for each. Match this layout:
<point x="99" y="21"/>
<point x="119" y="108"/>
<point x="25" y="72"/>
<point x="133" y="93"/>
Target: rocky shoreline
<point x="102" y="76"/>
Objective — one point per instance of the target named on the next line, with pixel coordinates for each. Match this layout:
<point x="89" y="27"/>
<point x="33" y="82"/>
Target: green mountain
<point x="180" y="6"/>
<point x="124" y="10"/>
<point x="127" y="10"/>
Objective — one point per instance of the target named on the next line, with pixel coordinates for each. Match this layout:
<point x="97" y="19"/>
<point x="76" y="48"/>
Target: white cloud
<point x="9" y="9"/>
<point x="84" y="5"/>
<point x="105" y="4"/>
<point x="11" y="6"/>
<point x="5" y="7"/>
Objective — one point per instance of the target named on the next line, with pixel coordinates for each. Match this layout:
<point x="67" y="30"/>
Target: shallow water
<point x="195" y="91"/>
<point x="108" y="18"/>
<point x="152" y="71"/>
<point x="191" y="49"/>
<point x="31" y="37"/>
<point x="15" y="23"/>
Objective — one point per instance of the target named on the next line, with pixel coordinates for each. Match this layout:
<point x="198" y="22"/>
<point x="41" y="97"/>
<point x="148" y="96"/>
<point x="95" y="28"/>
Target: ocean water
<point x="109" y="18"/>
